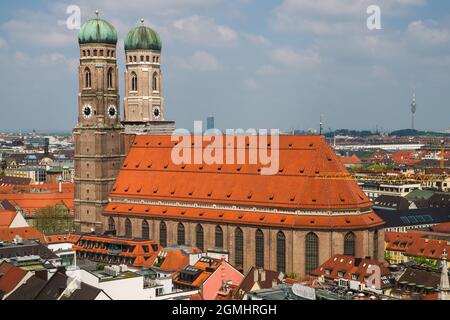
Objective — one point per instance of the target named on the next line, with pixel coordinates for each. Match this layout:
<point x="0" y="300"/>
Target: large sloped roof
<point x="310" y="176"/>
<point x="311" y="188"/>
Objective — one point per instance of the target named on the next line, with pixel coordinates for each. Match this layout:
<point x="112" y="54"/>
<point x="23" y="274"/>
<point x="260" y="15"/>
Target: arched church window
<point x="281" y="252"/>
<point x="181" y="235"/>
<point x="145" y="230"/>
<point x="375" y="244"/>
<point x="128" y="229"/>
<point x="155" y="81"/>
<point x="259" y="248"/>
<point x="111" y="224"/>
<point x="110" y="78"/>
<point x="163" y="234"/>
<point x="349" y="244"/>
<point x="311" y="252"/>
<point x="239" y="247"/>
<point x="134" y="82"/>
<point x="219" y="238"/>
<point x="199" y="237"/>
<point x="87" y="78"/>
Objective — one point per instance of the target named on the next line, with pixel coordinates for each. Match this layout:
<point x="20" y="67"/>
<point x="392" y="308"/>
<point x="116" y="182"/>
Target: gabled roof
<point x="26" y="233"/>
<point x="136" y="250"/>
<point x="415" y="217"/>
<point x="7" y="218"/>
<point x="351" y="268"/>
<point x="428" y="248"/>
<point x="28" y="290"/>
<point x="391" y="202"/>
<point x="351" y="160"/>
<point x="10" y="276"/>
<point x="264" y="278"/>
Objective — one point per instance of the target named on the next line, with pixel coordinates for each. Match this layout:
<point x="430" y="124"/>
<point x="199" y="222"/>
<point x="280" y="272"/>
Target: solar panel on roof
<point x="412" y="219"/>
<point x="428" y="218"/>
<point x="421" y="218"/>
<point x="404" y="219"/>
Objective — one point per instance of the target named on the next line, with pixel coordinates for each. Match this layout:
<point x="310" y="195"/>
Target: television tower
<point x="413" y="112"/>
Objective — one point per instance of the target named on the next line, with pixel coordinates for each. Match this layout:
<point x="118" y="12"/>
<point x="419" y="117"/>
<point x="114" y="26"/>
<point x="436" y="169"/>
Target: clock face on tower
<point x="112" y="112"/>
<point x="156" y="112"/>
<point x="87" y="111"/>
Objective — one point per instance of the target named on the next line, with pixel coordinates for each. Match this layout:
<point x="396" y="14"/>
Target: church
<point x="128" y="185"/>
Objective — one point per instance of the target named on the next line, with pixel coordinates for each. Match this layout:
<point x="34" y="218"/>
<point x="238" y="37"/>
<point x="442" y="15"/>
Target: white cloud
<point x="332" y="16"/>
<point x="39" y="30"/>
<point x="428" y="32"/>
<point x="165" y="8"/>
<point x="258" y="40"/>
<point x="199" y="61"/>
<point x="46" y="60"/>
<point x="296" y="59"/>
<point x="199" y="30"/>
<point x="3" y="43"/>
<point x="268" y="70"/>
<point x="250" y="84"/>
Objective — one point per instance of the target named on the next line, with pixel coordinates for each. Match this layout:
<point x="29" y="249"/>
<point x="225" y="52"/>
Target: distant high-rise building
<point x="413" y="112"/>
<point x="210" y="123"/>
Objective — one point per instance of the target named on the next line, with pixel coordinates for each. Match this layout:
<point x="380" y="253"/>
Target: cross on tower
<point x="444" y="254"/>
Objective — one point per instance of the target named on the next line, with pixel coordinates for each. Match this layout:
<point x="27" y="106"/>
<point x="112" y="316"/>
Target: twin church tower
<point x="101" y="138"/>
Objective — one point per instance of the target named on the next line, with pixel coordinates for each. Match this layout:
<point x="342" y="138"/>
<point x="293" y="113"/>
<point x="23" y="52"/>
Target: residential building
<point x="214" y="278"/>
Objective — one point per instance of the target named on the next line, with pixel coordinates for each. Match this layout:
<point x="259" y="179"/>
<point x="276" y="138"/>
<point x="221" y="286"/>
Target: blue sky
<point x="251" y="64"/>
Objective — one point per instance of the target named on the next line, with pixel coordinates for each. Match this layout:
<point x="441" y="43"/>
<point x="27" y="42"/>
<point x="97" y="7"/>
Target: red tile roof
<point x="10" y="276"/>
<point x="137" y="251"/>
<point x="443" y="227"/>
<point x="428" y="248"/>
<point x="173" y="260"/>
<point x="310" y="176"/>
<point x="417" y="244"/>
<point x="6" y="218"/>
<point x="352" y="160"/>
<point x="63" y="238"/>
<point x="36" y="201"/>
<point x="26" y="233"/>
<point x="354" y="221"/>
<point x="350" y="268"/>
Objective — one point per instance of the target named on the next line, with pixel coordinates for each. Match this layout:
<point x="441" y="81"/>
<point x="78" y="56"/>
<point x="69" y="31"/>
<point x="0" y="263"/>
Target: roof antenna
<point x="321" y="124"/>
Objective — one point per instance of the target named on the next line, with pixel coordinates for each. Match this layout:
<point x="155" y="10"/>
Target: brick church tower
<point x="144" y="101"/>
<point x="98" y="136"/>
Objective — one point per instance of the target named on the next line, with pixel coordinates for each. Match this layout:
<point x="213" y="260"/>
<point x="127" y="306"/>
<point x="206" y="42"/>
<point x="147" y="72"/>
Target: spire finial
<point x="142" y="21"/>
<point x="97" y="13"/>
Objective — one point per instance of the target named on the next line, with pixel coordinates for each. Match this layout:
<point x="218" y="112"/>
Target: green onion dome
<point x="97" y="31"/>
<point x="143" y="38"/>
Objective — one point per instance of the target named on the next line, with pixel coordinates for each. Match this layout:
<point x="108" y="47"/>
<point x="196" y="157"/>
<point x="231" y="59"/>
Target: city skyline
<point x="330" y="50"/>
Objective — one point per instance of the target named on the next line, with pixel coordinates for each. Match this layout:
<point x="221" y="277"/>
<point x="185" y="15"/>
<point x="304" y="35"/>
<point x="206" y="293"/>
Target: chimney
<point x="274" y="283"/>
<point x="263" y="275"/>
<point x="255" y="275"/>
<point x="61" y="269"/>
<point x="60" y="184"/>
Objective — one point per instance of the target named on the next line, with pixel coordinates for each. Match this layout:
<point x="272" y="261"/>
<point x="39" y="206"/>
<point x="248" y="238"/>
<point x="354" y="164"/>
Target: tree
<point x="53" y="219"/>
